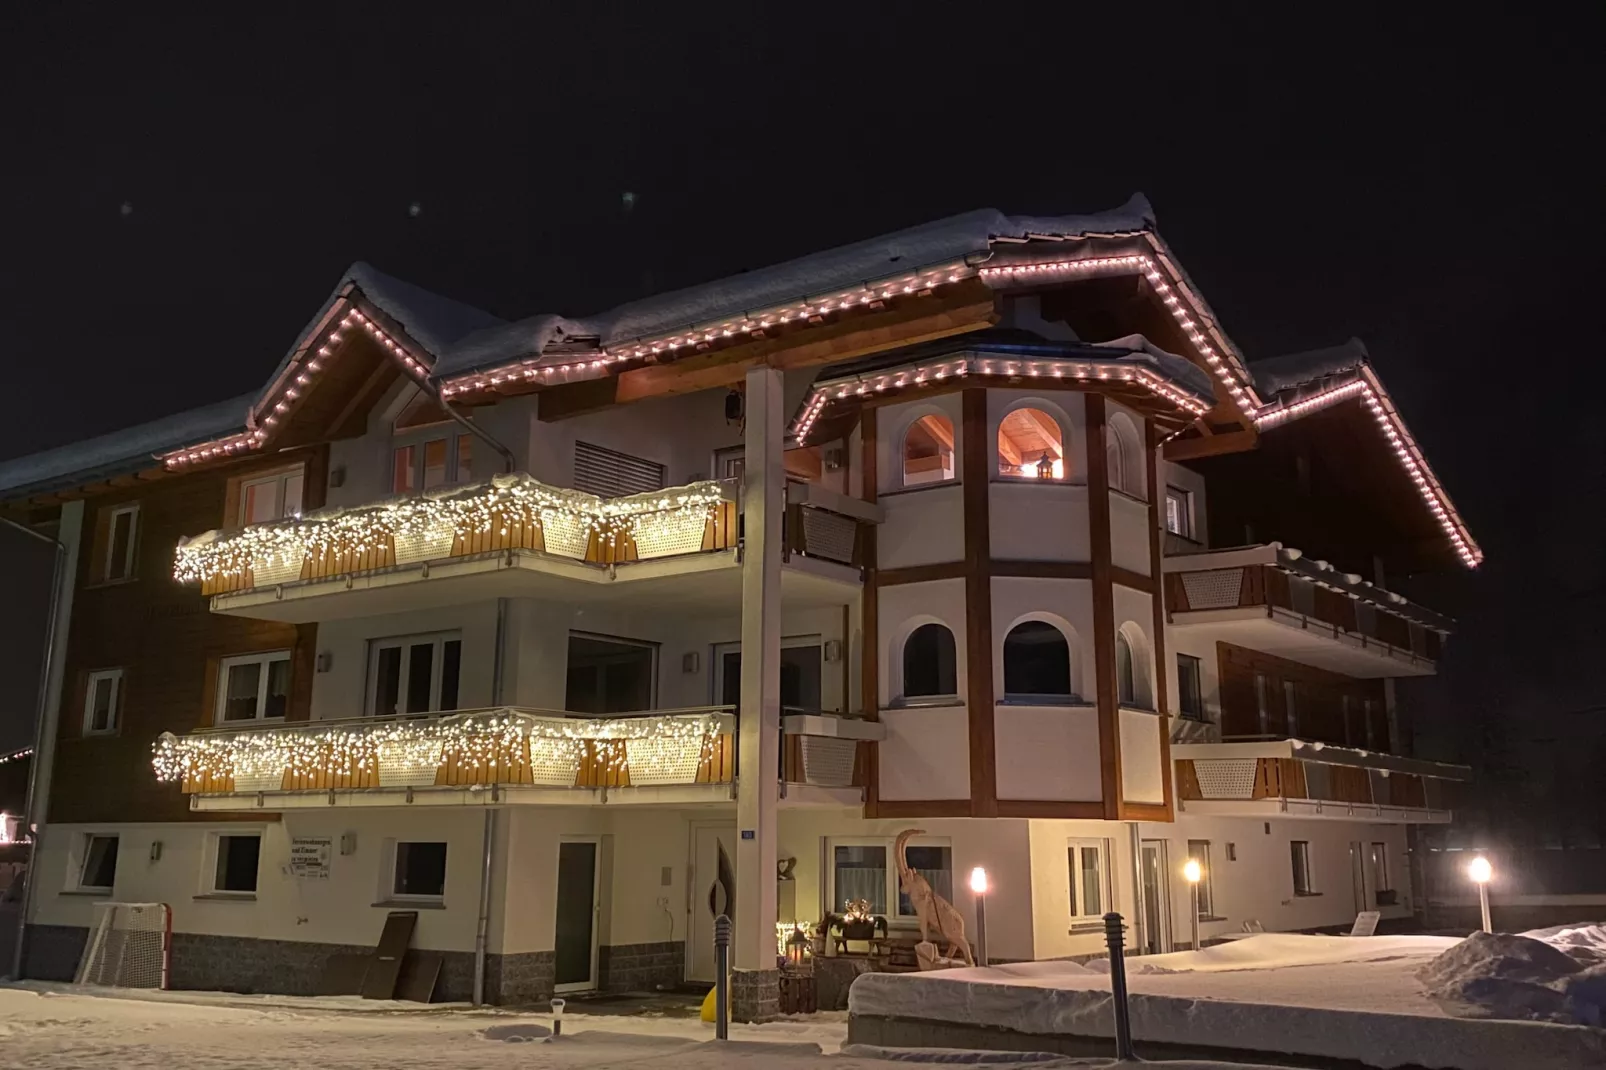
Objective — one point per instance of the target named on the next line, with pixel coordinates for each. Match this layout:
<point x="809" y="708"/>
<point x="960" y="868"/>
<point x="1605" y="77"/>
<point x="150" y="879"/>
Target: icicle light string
<point x="483" y="508"/>
<point x="488" y="740"/>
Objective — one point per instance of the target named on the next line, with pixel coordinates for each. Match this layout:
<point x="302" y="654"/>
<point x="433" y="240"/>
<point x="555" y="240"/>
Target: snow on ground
<point x="59" y="1028"/>
<point x="1558" y="978"/>
<point x="1326" y="996"/>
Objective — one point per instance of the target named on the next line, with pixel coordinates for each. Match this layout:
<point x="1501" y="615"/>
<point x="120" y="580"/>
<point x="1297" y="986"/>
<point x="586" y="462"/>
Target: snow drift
<point x="1545" y="976"/>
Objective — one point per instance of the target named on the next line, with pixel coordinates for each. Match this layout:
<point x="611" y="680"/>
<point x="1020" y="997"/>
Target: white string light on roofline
<point x="505" y="501"/>
<point x="16" y="755"/>
<point x="493" y="739"/>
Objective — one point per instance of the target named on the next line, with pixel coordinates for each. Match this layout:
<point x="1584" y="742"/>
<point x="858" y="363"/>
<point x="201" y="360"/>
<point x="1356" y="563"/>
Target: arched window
<point x="930" y="663"/>
<point x="1131" y="669"/>
<point x="1030" y="445"/>
<point x="1124" y="455"/>
<point x="928" y="450"/>
<point x="1037" y="661"/>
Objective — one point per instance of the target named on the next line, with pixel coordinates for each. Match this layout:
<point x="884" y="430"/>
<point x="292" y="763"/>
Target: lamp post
<point x="978" y="886"/>
<point x="1480" y="871"/>
<point x="1192" y="872"/>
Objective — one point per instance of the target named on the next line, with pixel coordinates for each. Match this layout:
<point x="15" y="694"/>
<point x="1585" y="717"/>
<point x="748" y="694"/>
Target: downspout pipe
<point x="510" y="463"/>
<point x="41" y="734"/>
<point x="482" y="924"/>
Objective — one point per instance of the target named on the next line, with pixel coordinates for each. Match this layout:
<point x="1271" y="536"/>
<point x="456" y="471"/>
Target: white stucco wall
<point x="903" y="608"/>
<point x="923" y="526"/>
<point x="1066" y="604"/>
<point x="1142" y="771"/>
<point x="1030" y="521"/>
<point x="1047" y="752"/>
<point x="926" y="754"/>
<point x="1050" y="877"/>
<point x="1129" y="533"/>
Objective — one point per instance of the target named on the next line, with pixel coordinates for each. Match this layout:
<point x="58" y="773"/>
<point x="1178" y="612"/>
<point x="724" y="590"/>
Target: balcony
<point x="1272" y="599"/>
<point x="506" y="756"/>
<point x="517" y="537"/>
<point x="1295" y="778"/>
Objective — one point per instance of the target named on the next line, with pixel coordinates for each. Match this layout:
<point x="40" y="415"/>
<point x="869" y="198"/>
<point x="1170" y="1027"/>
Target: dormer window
<point x="437" y="460"/>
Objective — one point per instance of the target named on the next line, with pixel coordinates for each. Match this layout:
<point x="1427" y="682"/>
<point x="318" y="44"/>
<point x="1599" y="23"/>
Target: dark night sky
<point x="1422" y="180"/>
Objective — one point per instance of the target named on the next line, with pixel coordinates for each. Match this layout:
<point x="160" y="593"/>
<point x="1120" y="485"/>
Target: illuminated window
<point x="269" y="498"/>
<point x="1179" y="512"/>
<point x="443" y="460"/>
<point x="928" y="451"/>
<point x="253" y="687"/>
<point x="1030" y="446"/>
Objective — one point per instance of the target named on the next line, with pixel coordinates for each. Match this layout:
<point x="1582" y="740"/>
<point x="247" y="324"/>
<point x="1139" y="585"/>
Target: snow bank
<point x="1499" y="975"/>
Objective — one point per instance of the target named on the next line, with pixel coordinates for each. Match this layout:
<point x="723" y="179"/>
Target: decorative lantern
<point x="1045" y="466"/>
<point x="797" y="947"/>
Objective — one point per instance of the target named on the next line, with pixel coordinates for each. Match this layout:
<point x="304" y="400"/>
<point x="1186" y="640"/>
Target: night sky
<point x="179" y="195"/>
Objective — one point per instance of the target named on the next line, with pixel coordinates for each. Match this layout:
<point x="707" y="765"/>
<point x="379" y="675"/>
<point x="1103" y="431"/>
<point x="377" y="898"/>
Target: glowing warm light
<point x="1192" y="871"/>
<point x="978" y="881"/>
<point x="1480" y="870"/>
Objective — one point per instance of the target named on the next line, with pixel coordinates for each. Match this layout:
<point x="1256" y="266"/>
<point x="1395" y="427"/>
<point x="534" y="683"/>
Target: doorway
<point x="1155" y="898"/>
<point x="575" y="957"/>
<point x="713" y="892"/>
<point x="801" y="665"/>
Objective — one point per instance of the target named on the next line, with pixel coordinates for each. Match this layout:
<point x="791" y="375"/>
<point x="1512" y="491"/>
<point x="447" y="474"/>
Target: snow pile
<point x="1500" y="975"/>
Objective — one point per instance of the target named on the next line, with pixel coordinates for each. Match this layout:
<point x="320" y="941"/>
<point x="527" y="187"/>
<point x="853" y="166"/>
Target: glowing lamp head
<point x="978" y="881"/>
<point x="1193" y="872"/>
<point x="1480" y="870"/>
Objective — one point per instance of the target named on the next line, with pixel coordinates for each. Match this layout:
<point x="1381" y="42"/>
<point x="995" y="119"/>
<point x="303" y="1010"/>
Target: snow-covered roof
<point x="437" y="323"/>
<point x="1276" y="374"/>
<point x="122" y="451"/>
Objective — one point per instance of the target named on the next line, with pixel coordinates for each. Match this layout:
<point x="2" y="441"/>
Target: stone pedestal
<point x="755" y="995"/>
<point x="833" y="976"/>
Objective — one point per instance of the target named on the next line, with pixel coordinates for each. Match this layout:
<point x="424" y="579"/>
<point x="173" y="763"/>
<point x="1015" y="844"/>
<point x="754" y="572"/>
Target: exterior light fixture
<point x="1193" y="873"/>
<point x="978" y="887"/>
<point x="1481" y="873"/>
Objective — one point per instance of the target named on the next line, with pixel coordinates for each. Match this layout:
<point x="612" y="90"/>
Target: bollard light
<point x="978" y="881"/>
<point x="1481" y="873"/>
<point x="1193" y="873"/>
<point x="557" y="1017"/>
<point x="978" y="887"/>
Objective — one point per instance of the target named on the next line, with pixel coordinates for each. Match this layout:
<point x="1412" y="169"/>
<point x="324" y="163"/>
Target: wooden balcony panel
<point x="505" y="533"/>
<point x="723" y="527"/>
<point x="1188" y="788"/>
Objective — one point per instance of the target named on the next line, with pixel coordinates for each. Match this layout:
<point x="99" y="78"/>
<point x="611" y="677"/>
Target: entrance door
<point x="713" y="892"/>
<point x="1357" y="868"/>
<point x="800" y="673"/>
<point x="1156" y="899"/>
<point x="575" y="968"/>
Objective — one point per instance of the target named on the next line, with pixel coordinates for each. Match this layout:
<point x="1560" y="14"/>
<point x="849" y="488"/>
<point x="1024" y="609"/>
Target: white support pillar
<point x="759" y="743"/>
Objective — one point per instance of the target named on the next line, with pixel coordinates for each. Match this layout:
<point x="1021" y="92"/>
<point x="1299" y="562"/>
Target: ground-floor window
<point x="1199" y="851"/>
<point x="97" y="868"/>
<point x="419" y="871"/>
<point x="236" y="867"/>
<point x="1299" y="856"/>
<point x="1088" y="873"/>
<point x="868" y="870"/>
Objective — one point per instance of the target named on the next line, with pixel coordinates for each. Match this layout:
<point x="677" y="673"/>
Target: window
<point x="611" y="474"/>
<point x="122" y="537"/>
<point x="802" y="667"/>
<point x="237" y="858"/>
<point x="1179" y="512"/>
<point x="928" y="451"/>
<point x="1124" y="455"/>
<point x="253" y="687"/>
<point x="1037" y="662"/>
<point x="930" y="663"/>
<point x="420" y="870"/>
<point x="272" y="497"/>
<point x="1381" y="881"/>
<point x="1291" y="706"/>
<point x="433" y="462"/>
<point x="867" y="871"/>
<point x="1132" y="669"/>
<point x="1299" y="854"/>
<point x="1263" y="702"/>
<point x="609" y="675"/>
<point x="1085" y="859"/>
<point x="1030" y="446"/>
<point x="103" y="702"/>
<point x="97" y="871"/>
<point x="1190" y="690"/>
<point x="414" y="674"/>
<point x="1199" y="851"/>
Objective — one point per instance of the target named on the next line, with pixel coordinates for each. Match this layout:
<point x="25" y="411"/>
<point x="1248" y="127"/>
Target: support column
<point x="755" y="993"/>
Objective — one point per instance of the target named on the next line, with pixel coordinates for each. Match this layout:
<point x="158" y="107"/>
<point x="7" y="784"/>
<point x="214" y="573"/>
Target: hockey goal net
<point x="128" y="946"/>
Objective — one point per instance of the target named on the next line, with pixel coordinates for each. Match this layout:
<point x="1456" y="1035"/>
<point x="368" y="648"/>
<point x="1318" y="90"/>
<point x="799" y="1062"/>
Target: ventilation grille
<point x="1226" y="778"/>
<point x="1216" y="589"/>
<point x="611" y="474"/>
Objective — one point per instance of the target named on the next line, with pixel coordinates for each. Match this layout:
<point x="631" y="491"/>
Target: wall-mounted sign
<point x="309" y="858"/>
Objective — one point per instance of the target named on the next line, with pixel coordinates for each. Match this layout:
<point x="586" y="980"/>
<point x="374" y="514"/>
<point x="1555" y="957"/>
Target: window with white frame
<point x="418" y="870"/>
<point x="1190" y="687"/>
<point x="1199" y="851"/>
<point x="103" y="701"/>
<point x="414" y="673"/>
<point x="236" y="856"/>
<point x="1179" y="512"/>
<point x="868" y="869"/>
<point x="1089" y="874"/>
<point x="276" y="496"/>
<point x="1299" y="856"/>
<point x="97" y="863"/>
<point x="253" y="687"/>
<point x="122" y="538"/>
<point x="434" y="459"/>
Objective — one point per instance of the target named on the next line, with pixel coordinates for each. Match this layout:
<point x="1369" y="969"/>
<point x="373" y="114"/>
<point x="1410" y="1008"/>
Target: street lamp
<point x="978" y="887"/>
<point x="1193" y="873"/>
<point x="1481" y="871"/>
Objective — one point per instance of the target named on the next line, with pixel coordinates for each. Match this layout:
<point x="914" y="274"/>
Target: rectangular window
<point x="1179" y="512"/>
<point x="1381" y="881"/>
<point x="97" y="872"/>
<point x="1263" y="702"/>
<point x="1190" y="688"/>
<point x="122" y="536"/>
<point x="402" y="479"/>
<point x="1085" y="859"/>
<point x="270" y="498"/>
<point x="1199" y="851"/>
<point x="936" y="864"/>
<point x="1299" y="855"/>
<point x="869" y="870"/>
<point x="237" y="858"/>
<point x="414" y="674"/>
<point x="611" y="474"/>
<point x="1291" y="706"/>
<point x="443" y="460"/>
<point x="253" y="687"/>
<point x="103" y="702"/>
<point x="608" y="675"/>
<point x="859" y="872"/>
<point x="420" y="871"/>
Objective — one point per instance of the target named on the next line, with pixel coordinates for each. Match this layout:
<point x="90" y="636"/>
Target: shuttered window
<point x="610" y="474"/>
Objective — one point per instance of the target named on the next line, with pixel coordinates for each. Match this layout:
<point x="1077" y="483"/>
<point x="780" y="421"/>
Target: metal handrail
<point x="444" y="715"/>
